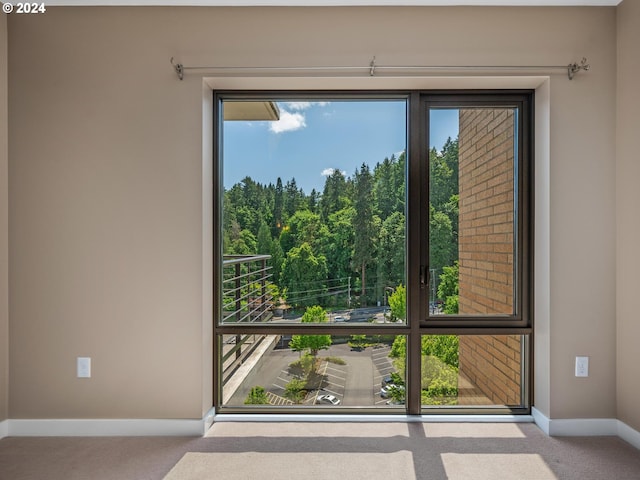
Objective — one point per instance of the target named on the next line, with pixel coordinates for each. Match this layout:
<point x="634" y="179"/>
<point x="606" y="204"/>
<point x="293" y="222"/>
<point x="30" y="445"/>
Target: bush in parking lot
<point x="257" y="396"/>
<point x="396" y="379"/>
<point x="303" y="367"/>
<point x="295" y="390"/>
<point x="336" y="360"/>
<point x="397" y="394"/>
<point x="308" y="363"/>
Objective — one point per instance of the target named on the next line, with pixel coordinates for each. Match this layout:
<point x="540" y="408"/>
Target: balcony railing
<point x="244" y="289"/>
<point x="245" y="299"/>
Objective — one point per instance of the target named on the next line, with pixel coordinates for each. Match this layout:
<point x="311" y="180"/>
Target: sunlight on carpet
<point x="248" y="465"/>
<point x="474" y="430"/>
<point x="473" y="466"/>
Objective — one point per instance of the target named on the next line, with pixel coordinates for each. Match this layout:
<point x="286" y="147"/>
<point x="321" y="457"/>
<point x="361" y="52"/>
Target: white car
<point x="328" y="399"/>
<point x="385" y="392"/>
<point x="339" y="319"/>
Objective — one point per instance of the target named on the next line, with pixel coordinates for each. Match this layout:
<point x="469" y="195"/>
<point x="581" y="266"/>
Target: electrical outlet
<point x="84" y="367"/>
<point x="582" y="366"/>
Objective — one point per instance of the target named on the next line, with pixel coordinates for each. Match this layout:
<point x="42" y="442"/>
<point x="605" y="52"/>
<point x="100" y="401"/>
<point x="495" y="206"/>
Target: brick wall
<point x="489" y="370"/>
<point x="489" y="364"/>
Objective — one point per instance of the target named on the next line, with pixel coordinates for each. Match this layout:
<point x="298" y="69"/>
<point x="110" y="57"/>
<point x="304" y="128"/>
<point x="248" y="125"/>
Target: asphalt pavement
<point x="356" y="383"/>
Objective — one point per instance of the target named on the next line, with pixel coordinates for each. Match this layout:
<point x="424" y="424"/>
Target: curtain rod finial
<point x="574" y="68"/>
<point x="179" y="68"/>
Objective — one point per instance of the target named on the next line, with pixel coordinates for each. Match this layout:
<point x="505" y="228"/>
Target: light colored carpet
<point x="338" y="451"/>
<point x="233" y="466"/>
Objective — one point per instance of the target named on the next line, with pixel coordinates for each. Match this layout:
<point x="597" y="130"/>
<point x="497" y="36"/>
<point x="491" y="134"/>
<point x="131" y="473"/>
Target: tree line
<point x="347" y="239"/>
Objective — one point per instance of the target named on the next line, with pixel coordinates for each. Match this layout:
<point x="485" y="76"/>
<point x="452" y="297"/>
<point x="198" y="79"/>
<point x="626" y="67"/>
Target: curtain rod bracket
<point x="179" y="68"/>
<point x="574" y="68"/>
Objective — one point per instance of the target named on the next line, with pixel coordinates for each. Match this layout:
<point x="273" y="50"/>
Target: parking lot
<point x="357" y="382"/>
<point x="335" y="378"/>
<point x="383" y="367"/>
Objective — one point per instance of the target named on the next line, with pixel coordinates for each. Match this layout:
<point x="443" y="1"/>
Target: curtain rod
<point x="372" y="69"/>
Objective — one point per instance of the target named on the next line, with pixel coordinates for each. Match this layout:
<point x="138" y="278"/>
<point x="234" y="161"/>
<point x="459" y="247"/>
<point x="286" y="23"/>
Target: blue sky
<point x="312" y="138"/>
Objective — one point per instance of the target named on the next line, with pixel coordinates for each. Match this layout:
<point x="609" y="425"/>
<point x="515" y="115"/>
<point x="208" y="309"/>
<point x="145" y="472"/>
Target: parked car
<point x="338" y="319"/>
<point x="385" y="392"/>
<point x="387" y="380"/>
<point x="328" y="399"/>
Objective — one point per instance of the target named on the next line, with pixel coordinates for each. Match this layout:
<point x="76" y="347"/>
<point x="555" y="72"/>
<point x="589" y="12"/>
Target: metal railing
<point x="245" y="299"/>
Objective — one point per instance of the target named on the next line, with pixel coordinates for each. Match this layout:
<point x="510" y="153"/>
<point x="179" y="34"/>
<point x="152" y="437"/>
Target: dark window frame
<point x="522" y="318"/>
<point x="419" y="322"/>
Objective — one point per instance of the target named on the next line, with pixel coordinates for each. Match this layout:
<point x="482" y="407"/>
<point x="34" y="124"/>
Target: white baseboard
<point x="540" y="419"/>
<point x="628" y="434"/>
<point x="583" y="427"/>
<point x="146" y="427"/>
<point x="586" y="427"/>
<point x="108" y="427"/>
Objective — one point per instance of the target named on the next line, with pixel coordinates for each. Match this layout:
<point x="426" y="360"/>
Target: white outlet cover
<point x="582" y="366"/>
<point x="84" y="367"/>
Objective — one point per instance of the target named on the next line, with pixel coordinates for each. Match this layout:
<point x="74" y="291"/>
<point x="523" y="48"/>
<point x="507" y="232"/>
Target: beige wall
<point x="106" y="188"/>
<point x="4" y="228"/>
<point x="628" y="200"/>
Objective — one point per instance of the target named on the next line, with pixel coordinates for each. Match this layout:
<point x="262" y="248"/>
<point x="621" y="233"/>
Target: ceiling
<point x="303" y="3"/>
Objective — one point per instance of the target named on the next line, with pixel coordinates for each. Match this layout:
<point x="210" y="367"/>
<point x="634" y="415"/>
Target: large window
<point x="372" y="251"/>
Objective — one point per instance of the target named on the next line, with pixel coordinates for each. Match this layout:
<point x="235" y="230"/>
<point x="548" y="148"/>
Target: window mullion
<point x="416" y="256"/>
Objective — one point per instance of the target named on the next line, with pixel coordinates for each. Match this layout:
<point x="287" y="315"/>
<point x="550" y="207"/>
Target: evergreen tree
<point x="264" y="241"/>
<point x="443" y="174"/>
<point x="278" y="209"/>
<point x="334" y="196"/>
<point x="293" y="198"/>
<point x="363" y="224"/>
<point x="313" y="201"/>
<point x="251" y="210"/>
<point x="277" y="259"/>
<point x="383" y="188"/>
<point x="399" y="179"/>
<point x="391" y="251"/>
<point x="442" y="250"/>
<point x="339" y="244"/>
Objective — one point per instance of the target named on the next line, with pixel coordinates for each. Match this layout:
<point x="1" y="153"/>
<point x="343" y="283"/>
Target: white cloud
<point x="298" y="106"/>
<point x="290" y="118"/>
<point x="327" y="172"/>
<point x="288" y="122"/>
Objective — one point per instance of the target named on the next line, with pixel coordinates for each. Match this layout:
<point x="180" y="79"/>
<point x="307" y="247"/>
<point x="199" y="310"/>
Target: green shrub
<point x="257" y="396"/>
